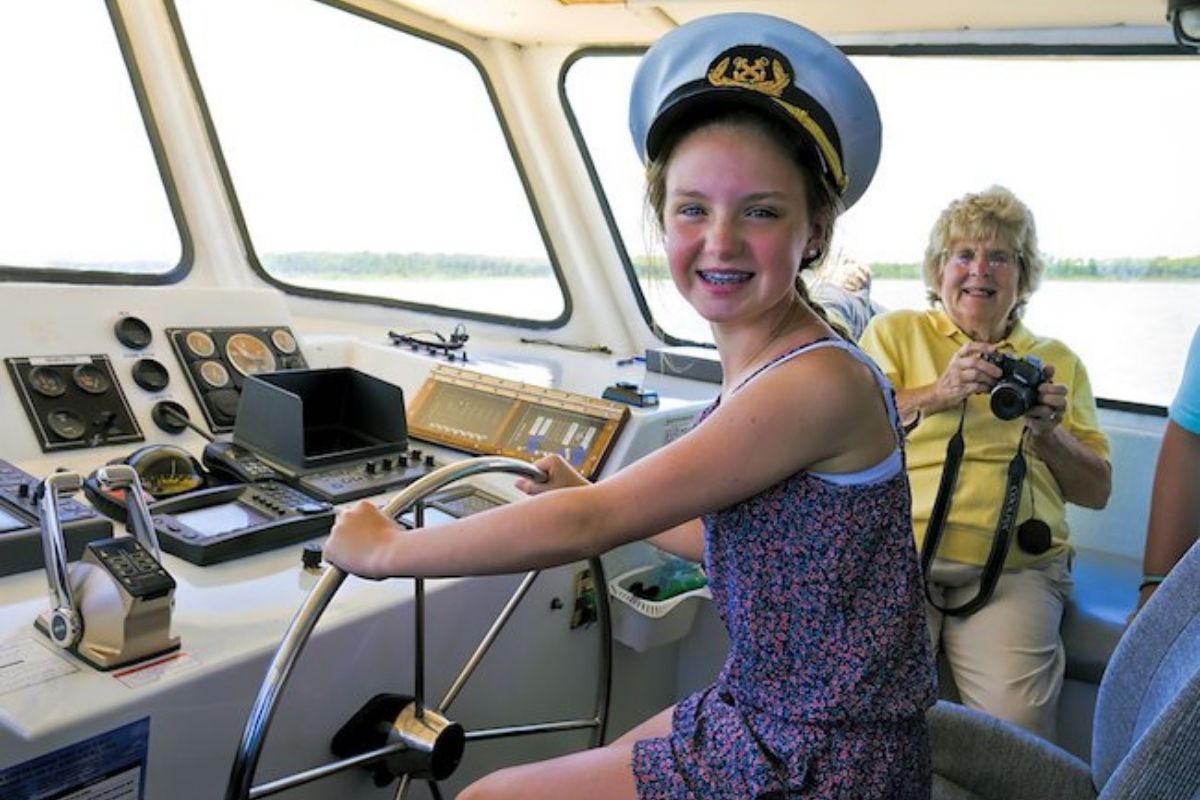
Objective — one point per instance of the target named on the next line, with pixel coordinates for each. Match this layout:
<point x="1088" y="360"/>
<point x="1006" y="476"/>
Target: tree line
<point x="360" y="265"/>
<point x="1158" y="268"/>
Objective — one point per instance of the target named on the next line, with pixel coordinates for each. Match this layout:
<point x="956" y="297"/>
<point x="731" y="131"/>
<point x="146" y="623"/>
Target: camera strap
<point x="1001" y="538"/>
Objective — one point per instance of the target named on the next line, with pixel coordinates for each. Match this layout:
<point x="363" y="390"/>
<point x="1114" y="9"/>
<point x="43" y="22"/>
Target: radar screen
<point x="73" y="401"/>
<point x="487" y="415"/>
<point x="217" y="360"/>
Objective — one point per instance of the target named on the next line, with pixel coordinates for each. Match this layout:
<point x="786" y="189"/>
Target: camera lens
<point x="1010" y="401"/>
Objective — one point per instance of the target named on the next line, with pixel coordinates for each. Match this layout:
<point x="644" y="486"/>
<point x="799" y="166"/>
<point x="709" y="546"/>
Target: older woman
<point x="997" y="572"/>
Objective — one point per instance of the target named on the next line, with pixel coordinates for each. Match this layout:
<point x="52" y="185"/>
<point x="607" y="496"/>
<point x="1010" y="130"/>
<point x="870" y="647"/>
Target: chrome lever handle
<point x="65" y="627"/>
<point x="125" y="477"/>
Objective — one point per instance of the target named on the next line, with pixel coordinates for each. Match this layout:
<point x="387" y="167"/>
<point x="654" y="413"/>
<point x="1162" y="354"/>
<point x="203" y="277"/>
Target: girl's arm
<point x="821" y="410"/>
<point x="685" y="541"/>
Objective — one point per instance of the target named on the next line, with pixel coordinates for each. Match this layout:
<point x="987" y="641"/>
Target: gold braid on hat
<point x="752" y="75"/>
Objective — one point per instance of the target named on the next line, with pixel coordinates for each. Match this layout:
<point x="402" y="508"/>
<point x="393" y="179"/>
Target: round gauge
<point x="47" y="381"/>
<point x="248" y="354"/>
<point x="200" y="343"/>
<point x="150" y="375"/>
<point x="214" y="373"/>
<point x="170" y="416"/>
<point x="91" y="379"/>
<point x="283" y="340"/>
<point x="132" y="332"/>
<point x="66" y="424"/>
<point x="166" y="471"/>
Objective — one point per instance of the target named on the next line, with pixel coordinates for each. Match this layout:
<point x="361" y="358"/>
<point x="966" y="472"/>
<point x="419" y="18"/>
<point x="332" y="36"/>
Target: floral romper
<point x="824" y="690"/>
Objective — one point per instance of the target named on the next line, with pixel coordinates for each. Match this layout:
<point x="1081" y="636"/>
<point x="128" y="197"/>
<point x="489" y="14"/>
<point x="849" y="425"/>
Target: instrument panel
<point x="487" y="415"/>
<point x="73" y="401"/>
<point x="216" y="361"/>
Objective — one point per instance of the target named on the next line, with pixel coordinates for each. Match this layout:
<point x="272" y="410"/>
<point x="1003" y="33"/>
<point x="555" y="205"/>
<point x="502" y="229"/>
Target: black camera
<point x="1016" y="391"/>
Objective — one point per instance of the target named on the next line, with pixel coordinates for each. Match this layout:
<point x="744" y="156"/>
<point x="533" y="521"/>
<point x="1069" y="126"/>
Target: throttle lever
<point x="124" y="477"/>
<point x="65" y="626"/>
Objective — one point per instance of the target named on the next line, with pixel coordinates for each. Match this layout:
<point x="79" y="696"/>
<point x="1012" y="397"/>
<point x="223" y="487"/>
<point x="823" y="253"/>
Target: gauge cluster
<point x="217" y="360"/>
<point x="73" y="401"/>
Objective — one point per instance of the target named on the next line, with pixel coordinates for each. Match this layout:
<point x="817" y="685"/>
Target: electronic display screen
<point x="433" y="518"/>
<point x="218" y="520"/>
<point x="8" y="522"/>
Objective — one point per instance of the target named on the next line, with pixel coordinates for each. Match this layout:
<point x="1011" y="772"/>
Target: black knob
<point x="370" y="467"/>
<point x="22" y="490"/>
<point x="310" y="556"/>
<point x="429" y="460"/>
<point x="386" y="464"/>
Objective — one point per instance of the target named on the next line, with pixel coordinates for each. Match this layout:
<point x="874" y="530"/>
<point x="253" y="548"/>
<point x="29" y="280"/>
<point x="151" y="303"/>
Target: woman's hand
<point x="559" y="475"/>
<point x="1044" y="416"/>
<point x="358" y="540"/>
<point x="967" y="373"/>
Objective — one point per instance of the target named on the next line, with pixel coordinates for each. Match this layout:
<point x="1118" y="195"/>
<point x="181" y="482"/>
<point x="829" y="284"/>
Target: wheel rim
<point x="240" y="786"/>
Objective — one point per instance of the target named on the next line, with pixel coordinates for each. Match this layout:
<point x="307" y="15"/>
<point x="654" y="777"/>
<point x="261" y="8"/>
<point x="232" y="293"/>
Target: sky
<point x="1101" y="152"/>
<point x="337" y="131"/>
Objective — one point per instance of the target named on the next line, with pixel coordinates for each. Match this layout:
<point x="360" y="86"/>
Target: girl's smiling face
<point x="736" y="223"/>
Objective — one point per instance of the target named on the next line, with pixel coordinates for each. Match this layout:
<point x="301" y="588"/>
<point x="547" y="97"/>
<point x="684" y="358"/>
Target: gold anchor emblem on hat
<point x="751" y="75"/>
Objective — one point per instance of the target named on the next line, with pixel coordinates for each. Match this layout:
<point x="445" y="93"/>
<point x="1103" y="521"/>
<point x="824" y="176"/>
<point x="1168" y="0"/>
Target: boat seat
<point x="1146" y="735"/>
<point x="1103" y="593"/>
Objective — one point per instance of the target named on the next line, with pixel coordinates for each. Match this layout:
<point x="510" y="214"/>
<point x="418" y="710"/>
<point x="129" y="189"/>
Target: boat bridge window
<point x="82" y="198"/>
<point x="368" y="162"/>
<point x="1099" y="146"/>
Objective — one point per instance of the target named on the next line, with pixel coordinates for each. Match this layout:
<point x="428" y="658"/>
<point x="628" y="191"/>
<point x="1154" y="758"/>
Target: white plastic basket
<point x="642" y="624"/>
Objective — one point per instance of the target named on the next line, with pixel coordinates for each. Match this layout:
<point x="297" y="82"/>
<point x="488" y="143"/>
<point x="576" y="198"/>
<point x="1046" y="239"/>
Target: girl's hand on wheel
<point x="559" y="475"/>
<point x="359" y="537"/>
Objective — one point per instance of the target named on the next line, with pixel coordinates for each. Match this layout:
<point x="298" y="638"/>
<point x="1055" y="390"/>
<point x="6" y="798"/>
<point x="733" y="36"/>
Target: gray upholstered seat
<point x="1146" y="734"/>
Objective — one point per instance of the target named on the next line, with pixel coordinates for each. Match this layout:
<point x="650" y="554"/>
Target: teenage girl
<point x="791" y="487"/>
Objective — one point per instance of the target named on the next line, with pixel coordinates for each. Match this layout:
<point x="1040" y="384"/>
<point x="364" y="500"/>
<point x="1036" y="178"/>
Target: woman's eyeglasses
<point x="996" y="259"/>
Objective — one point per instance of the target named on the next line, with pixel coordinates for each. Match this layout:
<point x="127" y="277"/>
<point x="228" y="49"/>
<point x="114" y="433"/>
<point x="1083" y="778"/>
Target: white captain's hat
<point x="771" y="64"/>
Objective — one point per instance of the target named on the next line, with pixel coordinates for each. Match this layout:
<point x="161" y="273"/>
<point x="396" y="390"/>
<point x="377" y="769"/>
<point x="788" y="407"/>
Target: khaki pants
<point x="1007" y="659"/>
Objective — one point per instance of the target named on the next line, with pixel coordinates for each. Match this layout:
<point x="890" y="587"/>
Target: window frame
<point x="891" y="50"/>
<point x="15" y="274"/>
<point x="322" y="294"/>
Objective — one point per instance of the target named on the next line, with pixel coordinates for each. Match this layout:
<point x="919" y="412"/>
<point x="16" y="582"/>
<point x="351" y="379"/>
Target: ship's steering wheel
<point x="401" y="735"/>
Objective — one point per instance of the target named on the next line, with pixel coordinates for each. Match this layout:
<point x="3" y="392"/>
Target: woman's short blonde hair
<point x="995" y="214"/>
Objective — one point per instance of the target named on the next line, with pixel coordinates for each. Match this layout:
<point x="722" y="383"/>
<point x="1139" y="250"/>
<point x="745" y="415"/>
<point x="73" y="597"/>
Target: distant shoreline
<point x="461" y="266"/>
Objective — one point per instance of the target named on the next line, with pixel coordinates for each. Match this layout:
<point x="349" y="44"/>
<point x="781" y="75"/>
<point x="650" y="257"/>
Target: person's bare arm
<point x="685" y="541"/>
<point x="1174" y="524"/>
<point x="755" y="439"/>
